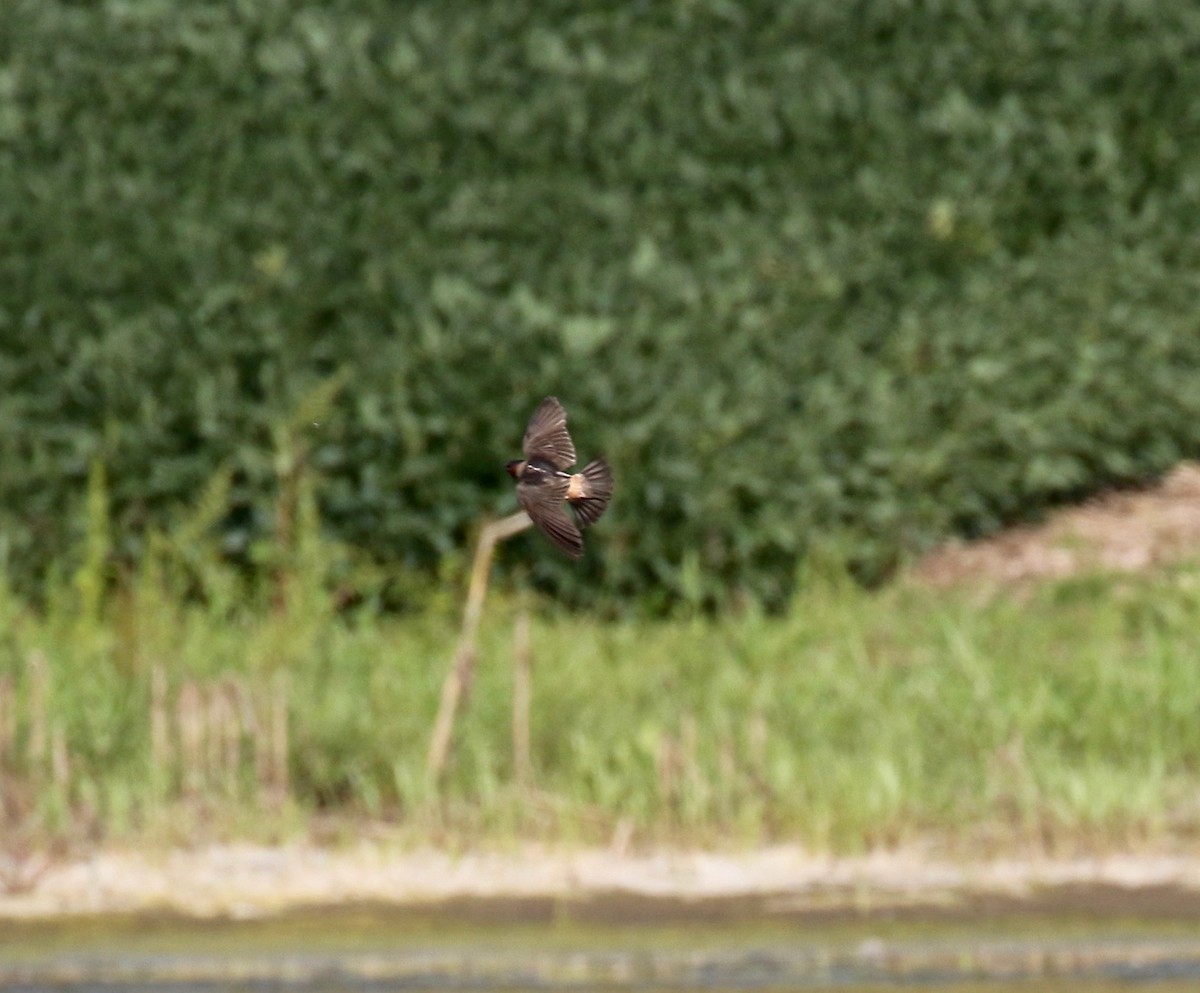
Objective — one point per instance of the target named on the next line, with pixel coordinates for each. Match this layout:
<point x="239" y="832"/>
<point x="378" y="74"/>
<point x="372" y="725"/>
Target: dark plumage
<point x="543" y="483"/>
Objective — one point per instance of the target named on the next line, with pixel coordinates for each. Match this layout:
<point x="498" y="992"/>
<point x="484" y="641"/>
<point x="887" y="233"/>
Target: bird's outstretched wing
<point x="547" y="438"/>
<point x="543" y="502"/>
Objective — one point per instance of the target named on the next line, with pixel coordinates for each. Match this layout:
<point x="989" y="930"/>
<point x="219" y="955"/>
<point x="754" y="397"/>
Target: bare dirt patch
<point x="1120" y="531"/>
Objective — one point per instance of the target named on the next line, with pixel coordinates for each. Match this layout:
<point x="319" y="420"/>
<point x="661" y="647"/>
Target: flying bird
<point x="543" y="482"/>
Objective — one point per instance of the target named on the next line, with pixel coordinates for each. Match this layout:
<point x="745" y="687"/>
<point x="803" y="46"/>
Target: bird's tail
<point x="595" y="491"/>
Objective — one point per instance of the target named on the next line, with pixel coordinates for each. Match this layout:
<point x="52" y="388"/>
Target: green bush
<point x="866" y="273"/>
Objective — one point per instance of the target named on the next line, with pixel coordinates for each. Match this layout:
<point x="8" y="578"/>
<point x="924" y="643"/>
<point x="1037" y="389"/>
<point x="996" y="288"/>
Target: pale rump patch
<point x="576" y="487"/>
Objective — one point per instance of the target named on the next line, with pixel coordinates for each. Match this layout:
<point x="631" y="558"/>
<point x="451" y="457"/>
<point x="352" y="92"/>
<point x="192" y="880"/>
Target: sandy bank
<point x="246" y="880"/>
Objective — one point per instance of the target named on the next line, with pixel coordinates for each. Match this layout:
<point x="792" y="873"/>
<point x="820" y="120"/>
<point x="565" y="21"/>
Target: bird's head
<point x="514" y="467"/>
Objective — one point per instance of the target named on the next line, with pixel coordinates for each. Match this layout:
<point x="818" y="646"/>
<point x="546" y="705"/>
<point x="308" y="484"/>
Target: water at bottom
<point x="609" y="947"/>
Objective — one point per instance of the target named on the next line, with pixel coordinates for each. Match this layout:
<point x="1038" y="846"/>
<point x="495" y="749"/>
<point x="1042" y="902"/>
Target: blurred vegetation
<point x="877" y="272"/>
<point x="185" y="708"/>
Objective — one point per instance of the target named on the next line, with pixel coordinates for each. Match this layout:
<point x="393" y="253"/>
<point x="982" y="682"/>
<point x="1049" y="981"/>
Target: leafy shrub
<point x="868" y="273"/>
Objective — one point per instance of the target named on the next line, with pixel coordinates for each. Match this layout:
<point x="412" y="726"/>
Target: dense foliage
<point x="871" y="272"/>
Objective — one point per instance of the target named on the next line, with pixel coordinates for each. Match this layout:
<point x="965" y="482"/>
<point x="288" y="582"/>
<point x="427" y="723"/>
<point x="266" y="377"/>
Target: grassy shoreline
<point x="1062" y="716"/>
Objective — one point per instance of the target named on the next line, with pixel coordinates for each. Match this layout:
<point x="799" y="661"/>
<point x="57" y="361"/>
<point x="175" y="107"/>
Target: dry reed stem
<point x="191" y="737"/>
<point x="279" y="735"/>
<point x="37" y="667"/>
<point x="666" y="767"/>
<point x="727" y="764"/>
<point x="689" y="755"/>
<point x="210" y="721"/>
<point x="216" y="718"/>
<point x="60" y="761"/>
<point x="757" y="743"/>
<point x="236" y="730"/>
<point x="458" y="680"/>
<point x="522" y="691"/>
<point x="8" y="729"/>
<point x="160" y="741"/>
<point x="258" y="723"/>
<point x="622" y="837"/>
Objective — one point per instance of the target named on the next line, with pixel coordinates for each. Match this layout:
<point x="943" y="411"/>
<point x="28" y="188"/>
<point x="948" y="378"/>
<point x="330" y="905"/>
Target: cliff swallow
<point x="543" y="482"/>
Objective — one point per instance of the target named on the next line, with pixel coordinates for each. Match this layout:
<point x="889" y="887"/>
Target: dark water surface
<point x="1084" y="940"/>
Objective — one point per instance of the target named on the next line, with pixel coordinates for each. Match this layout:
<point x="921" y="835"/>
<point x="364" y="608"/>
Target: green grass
<point x="151" y="705"/>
